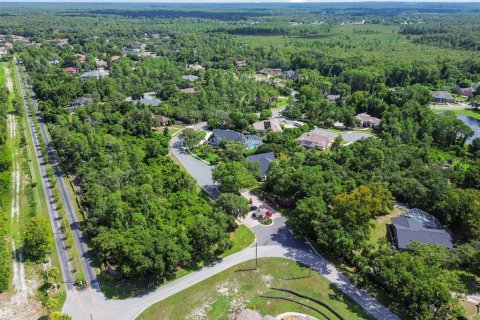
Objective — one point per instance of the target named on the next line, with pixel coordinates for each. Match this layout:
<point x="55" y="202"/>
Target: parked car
<point x="269" y="213"/>
<point x="253" y="208"/>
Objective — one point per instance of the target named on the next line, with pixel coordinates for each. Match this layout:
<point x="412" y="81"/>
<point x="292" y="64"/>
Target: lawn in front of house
<point x="208" y="153"/>
<point x="241" y="286"/>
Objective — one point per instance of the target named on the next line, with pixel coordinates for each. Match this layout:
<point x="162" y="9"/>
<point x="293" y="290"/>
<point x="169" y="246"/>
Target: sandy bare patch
<point x="9" y="79"/>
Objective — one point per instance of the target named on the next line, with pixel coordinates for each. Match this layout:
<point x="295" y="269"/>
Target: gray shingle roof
<point x="190" y="77"/>
<point x="264" y="160"/>
<point x="442" y="95"/>
<point x="228" y="135"/>
<point x="417" y="225"/>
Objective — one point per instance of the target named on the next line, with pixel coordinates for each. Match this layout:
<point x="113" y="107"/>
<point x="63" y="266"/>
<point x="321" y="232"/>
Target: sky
<point x="238" y="1"/>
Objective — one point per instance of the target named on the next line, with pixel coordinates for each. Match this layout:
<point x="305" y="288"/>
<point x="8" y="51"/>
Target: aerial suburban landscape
<point x="240" y="160"/>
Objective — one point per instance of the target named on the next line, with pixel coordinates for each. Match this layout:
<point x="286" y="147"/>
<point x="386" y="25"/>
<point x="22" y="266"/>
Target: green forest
<point x="145" y="216"/>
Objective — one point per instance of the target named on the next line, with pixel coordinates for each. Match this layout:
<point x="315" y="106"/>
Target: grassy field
<point x="241" y="286"/>
<point x="379" y="227"/>
<point x="113" y="288"/>
<point x="377" y="43"/>
<point x="241" y="239"/>
<point x="468" y="112"/>
<point x="210" y="157"/>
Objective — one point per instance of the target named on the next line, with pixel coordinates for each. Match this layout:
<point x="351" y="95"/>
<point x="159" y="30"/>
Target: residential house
<point x="62" y="42"/>
<point x="148" y="99"/>
<point x="162" y="120"/>
<point x="240" y="63"/>
<point x="196" y="66"/>
<point x="115" y="58"/>
<point x="467" y="92"/>
<point x="442" y="96"/>
<point x="333" y="98"/>
<point x="264" y="160"/>
<point x="102" y="64"/>
<point x="276" y="71"/>
<point x="367" y="121"/>
<point x="134" y="52"/>
<point x="190" y="77"/>
<point x="266" y="125"/>
<point x="81" y="57"/>
<point x="417" y="225"/>
<point x="94" y="74"/>
<point x="313" y="140"/>
<point x="3" y="50"/>
<point x="220" y="135"/>
<point x="290" y="74"/>
<point x="71" y="70"/>
<point x="189" y="90"/>
<point x="249" y="141"/>
<point x="82" y="101"/>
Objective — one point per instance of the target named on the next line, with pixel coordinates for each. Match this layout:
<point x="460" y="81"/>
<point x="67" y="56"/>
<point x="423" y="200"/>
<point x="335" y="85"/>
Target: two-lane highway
<point x="80" y="242"/>
<point x="47" y="188"/>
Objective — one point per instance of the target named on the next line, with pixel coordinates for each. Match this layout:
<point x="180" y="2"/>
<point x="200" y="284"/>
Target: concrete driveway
<point x="199" y="170"/>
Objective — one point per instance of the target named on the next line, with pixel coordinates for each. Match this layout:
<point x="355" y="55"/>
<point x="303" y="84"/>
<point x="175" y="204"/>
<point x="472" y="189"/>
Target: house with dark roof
<point x="148" y="99"/>
<point x="249" y="141"/>
<point x="417" y="225"/>
<point x="442" y="96"/>
<point x="220" y="135"/>
<point x="82" y="101"/>
<point x="264" y="160"/>
<point x="290" y="74"/>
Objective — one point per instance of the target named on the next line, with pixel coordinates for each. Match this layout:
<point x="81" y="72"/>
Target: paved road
<point x="277" y="238"/>
<point x="92" y="304"/>
<point x="131" y="308"/>
<point x="52" y="211"/>
<point x="80" y="241"/>
<point x="200" y="171"/>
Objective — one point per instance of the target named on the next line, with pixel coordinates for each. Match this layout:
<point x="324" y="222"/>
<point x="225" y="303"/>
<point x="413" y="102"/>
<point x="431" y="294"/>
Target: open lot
<point x="241" y="286"/>
<point x="347" y="136"/>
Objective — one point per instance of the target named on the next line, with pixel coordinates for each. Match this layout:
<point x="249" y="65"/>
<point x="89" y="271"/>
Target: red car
<point x="269" y="213"/>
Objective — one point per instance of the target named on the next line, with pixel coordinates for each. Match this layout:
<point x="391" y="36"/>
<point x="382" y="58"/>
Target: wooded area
<point x="145" y="217"/>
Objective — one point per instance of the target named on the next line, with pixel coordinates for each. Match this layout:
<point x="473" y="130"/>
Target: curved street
<point x="274" y="241"/>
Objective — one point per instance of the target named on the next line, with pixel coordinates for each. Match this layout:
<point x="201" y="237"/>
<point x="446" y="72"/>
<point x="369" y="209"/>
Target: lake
<point x="472" y="123"/>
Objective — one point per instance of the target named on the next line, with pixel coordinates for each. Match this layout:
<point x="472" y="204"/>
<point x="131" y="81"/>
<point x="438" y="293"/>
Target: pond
<point x="472" y="123"/>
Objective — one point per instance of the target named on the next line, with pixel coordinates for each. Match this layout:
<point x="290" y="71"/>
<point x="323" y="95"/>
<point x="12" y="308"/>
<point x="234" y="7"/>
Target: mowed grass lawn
<point x="472" y="113"/>
<point x="241" y="239"/>
<point x="241" y="286"/>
